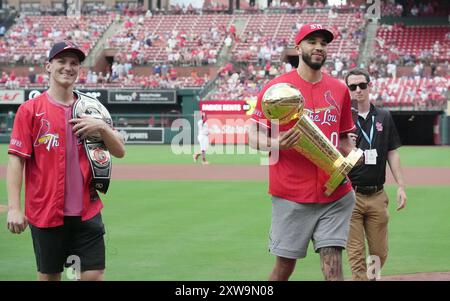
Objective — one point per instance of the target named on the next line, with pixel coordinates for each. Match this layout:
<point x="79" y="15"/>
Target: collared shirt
<point x="39" y="136"/>
<point x="294" y="177"/>
<point x="385" y="138"/>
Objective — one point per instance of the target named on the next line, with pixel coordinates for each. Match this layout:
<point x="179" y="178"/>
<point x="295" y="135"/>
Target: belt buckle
<point x="372" y="190"/>
<point x="367" y="190"/>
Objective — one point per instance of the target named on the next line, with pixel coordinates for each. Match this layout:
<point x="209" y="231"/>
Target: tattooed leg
<point x="331" y="263"/>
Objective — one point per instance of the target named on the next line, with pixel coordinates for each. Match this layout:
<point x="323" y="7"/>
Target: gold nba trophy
<point x="285" y="103"/>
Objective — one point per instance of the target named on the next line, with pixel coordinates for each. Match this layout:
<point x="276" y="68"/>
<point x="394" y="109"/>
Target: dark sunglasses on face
<point x="362" y="86"/>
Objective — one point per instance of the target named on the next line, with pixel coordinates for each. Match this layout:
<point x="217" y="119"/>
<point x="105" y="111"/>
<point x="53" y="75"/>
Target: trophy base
<point x="341" y="172"/>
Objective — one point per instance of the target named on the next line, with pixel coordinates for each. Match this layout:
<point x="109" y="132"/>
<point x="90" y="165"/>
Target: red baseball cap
<point x="308" y="29"/>
<point x="66" y="46"/>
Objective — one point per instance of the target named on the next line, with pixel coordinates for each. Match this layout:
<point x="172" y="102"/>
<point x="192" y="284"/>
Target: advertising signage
<point x="143" y="96"/>
<point x="141" y="135"/>
<point x="100" y="94"/>
<point x="8" y="97"/>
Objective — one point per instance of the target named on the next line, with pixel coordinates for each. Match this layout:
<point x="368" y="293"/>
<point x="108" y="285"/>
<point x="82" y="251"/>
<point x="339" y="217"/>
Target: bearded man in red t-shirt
<point x="301" y="210"/>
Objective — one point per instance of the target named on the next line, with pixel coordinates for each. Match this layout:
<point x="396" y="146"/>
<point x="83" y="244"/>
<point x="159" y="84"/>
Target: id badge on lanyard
<point x="370" y="155"/>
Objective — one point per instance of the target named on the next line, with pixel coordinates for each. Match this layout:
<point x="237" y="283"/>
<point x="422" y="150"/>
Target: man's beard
<point x="308" y="61"/>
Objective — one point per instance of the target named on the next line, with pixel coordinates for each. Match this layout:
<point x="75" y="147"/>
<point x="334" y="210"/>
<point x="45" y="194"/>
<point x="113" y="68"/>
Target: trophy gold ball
<point x="284" y="102"/>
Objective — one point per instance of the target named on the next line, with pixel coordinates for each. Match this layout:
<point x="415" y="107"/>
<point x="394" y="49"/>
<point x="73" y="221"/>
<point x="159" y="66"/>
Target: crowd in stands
<point x="338" y="66"/>
<point x="120" y="8"/>
<point x="423" y="53"/>
<point x="417" y="91"/>
<point x="186" y="38"/>
<point x="422" y="8"/>
<point x="29" y="40"/>
<point x="120" y="76"/>
<point x="391" y="9"/>
<point x="381" y="66"/>
<point x="172" y="40"/>
<point x="408" y="44"/>
<point x="244" y="81"/>
<point x="265" y="38"/>
<point x="177" y="39"/>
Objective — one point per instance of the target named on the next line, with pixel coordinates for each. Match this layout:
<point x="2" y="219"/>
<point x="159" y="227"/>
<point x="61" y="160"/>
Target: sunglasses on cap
<point x="362" y="86"/>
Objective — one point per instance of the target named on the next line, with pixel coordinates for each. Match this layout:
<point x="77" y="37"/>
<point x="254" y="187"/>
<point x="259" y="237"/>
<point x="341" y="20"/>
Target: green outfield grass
<point x="420" y="156"/>
<point x="162" y="230"/>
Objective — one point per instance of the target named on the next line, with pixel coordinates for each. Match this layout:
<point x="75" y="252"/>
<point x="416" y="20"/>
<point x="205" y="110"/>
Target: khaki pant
<point x="369" y="220"/>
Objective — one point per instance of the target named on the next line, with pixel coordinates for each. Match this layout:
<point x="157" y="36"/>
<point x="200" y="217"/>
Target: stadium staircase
<point x="225" y="55"/>
<point x="368" y="46"/>
<point x="102" y="43"/>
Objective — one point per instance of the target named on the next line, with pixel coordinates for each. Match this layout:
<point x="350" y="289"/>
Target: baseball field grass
<point x="164" y="230"/>
<point x="218" y="230"/>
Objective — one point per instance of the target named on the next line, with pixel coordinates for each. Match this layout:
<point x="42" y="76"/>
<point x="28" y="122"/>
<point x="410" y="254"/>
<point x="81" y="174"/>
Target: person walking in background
<point x="203" y="139"/>
<point x="377" y="136"/>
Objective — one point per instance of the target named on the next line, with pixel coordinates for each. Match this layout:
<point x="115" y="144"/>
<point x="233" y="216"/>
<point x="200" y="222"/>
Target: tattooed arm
<point x="331" y="263"/>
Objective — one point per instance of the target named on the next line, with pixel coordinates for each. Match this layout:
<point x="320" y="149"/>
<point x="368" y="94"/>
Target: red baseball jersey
<point x="293" y="176"/>
<point x="39" y="136"/>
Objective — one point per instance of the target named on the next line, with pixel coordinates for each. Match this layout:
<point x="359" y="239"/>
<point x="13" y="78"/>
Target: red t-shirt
<point x="293" y="176"/>
<point x="39" y="136"/>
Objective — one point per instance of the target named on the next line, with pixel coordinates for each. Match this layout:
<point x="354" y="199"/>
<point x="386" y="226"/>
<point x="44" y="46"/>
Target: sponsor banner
<point x="100" y="94"/>
<point x="8" y="97"/>
<point x="142" y="135"/>
<point x="143" y="96"/>
<point x="244" y="107"/>
<point x="228" y="129"/>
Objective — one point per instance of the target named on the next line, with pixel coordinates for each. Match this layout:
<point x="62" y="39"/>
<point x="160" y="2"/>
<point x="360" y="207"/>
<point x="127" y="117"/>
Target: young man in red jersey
<point x="61" y="204"/>
<point x="301" y="211"/>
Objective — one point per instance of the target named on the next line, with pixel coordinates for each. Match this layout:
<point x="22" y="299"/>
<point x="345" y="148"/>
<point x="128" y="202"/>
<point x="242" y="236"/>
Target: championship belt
<point x="97" y="153"/>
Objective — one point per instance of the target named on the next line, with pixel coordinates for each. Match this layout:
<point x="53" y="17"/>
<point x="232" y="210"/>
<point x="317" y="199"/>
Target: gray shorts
<point x="295" y="224"/>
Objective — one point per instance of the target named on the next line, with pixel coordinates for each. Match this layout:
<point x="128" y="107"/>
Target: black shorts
<point x="53" y="246"/>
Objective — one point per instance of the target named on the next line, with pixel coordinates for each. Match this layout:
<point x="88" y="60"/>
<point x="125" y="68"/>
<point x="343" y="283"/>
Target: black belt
<point x="367" y="190"/>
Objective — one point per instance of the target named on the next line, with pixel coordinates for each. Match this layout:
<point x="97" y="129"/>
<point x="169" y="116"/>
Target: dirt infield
<point x="434" y="276"/>
<point x="413" y="175"/>
<point x="430" y="276"/>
